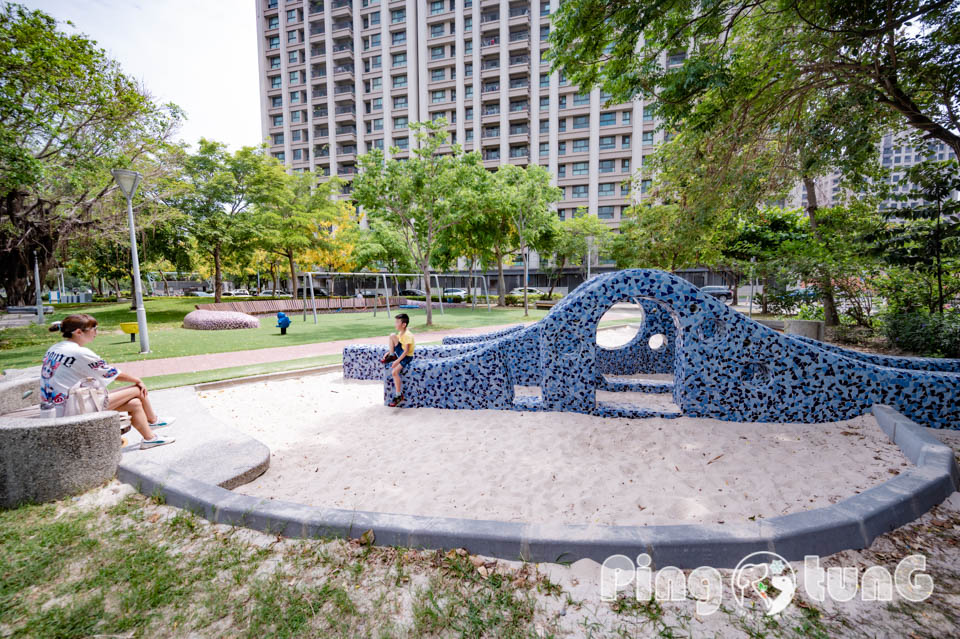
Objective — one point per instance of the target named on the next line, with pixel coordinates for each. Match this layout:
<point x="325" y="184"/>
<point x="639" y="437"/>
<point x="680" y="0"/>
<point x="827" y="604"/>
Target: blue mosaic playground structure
<point x="724" y="365"/>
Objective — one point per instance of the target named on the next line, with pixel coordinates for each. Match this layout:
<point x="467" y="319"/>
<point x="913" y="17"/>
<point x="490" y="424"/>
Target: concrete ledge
<point x="43" y="459"/>
<point x="269" y="377"/>
<point x="852" y="523"/>
<point x="22" y="391"/>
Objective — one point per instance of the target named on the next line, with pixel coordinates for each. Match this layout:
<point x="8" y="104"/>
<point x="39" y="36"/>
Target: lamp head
<point x="128" y="180"/>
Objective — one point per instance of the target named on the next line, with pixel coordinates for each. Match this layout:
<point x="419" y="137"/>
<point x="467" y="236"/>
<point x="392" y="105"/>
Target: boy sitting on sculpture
<point x="400" y="352"/>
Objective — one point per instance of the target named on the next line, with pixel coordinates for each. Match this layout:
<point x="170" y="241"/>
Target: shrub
<point x="927" y="334"/>
<point x="219" y="320"/>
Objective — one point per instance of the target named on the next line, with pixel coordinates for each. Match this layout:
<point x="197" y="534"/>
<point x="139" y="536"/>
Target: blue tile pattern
<point x="724" y="365"/>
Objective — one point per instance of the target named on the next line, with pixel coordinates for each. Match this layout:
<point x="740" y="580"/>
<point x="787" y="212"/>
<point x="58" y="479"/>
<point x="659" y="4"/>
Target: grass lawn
<point x="22" y="347"/>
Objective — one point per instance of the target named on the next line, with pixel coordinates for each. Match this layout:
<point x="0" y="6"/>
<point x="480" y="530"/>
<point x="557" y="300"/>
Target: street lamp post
<point x="129" y="181"/>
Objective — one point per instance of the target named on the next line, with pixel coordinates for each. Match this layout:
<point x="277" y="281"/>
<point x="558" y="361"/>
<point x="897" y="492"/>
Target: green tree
<point x="902" y="53"/>
<point x="297" y="217"/>
<point x="926" y="237"/>
<point x="524" y="196"/>
<point x="67" y="115"/>
<point x="223" y="188"/>
<point x="575" y="237"/>
<point x="421" y="196"/>
<point x="662" y="236"/>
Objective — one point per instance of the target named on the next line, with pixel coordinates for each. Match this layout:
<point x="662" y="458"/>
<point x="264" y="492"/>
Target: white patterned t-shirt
<point x="67" y="363"/>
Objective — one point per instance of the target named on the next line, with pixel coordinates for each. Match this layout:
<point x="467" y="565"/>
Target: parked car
<point x="317" y="292"/>
<point x="720" y="292"/>
<point x="455" y="294"/>
<point x="269" y="292"/>
<point x="240" y="292"/>
<point x="412" y="292"/>
<point x="530" y="291"/>
<point x="201" y="294"/>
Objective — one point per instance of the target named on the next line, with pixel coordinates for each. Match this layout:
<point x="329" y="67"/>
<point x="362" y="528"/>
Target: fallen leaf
<point x="367" y="538"/>
<point x="715" y="459"/>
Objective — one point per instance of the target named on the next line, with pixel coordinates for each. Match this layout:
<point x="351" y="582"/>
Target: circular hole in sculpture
<point x="658" y="341"/>
<point x="711" y="330"/>
<point x="620" y="325"/>
<point x="756" y="375"/>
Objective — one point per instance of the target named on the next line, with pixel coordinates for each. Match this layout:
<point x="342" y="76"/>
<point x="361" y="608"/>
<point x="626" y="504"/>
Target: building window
<point x="519" y="151"/>
<point x="582" y="145"/>
<point x="438" y="96"/>
<point x="295" y="116"/>
<point x="544" y="80"/>
<point x="274" y="42"/>
<point x="580" y="99"/>
<point x="377" y="124"/>
<point x="399" y="81"/>
<point x="294" y="77"/>
<point x="544" y="126"/>
<point x="607" y="166"/>
<point x="561" y="148"/>
<point x="275" y="82"/>
<point x="580" y="191"/>
<point x="468" y="113"/>
<point x="398" y="15"/>
<point x="608" y="142"/>
<point x="625" y="144"/>
<point x="295" y="97"/>
<point x="581" y="168"/>
<point x="544" y="149"/>
<point x="278" y="120"/>
<point x="273" y="22"/>
<point x="402" y="143"/>
<point x="278" y="138"/>
<point x="436" y="30"/>
<point x="400" y="123"/>
<point x="605" y="212"/>
<point x="297" y="154"/>
<point x="625" y="188"/>
<point x="646" y="137"/>
<point x="544" y="102"/>
<point x="469" y="135"/>
<point x="625" y="166"/>
<point x="648" y="113"/>
<point x="468" y="91"/>
<point x="562" y="102"/>
<point x="399" y="60"/>
<point x="280" y="156"/>
<point x="605" y="190"/>
<point x="276" y="101"/>
<point x="292" y="36"/>
<point x="562" y="170"/>
<point x="275" y="62"/>
<point x="438" y="75"/>
<point x="581" y="122"/>
<point x="398" y="37"/>
<point x="436" y="53"/>
<point x="544" y="32"/>
<point x="626" y="117"/>
<point x="608" y="119"/>
<point x="436" y="7"/>
<point x="400" y="102"/>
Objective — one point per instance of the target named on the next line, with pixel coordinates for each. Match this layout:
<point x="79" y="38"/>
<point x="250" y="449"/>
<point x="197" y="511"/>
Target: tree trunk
<point x="275" y="276"/>
<point x="830" y="315"/>
<point x="133" y="294"/>
<point x="116" y="284"/>
<point x="501" y="295"/>
<point x="217" y="274"/>
<point x="293" y="275"/>
<point x="425" y="269"/>
<point x="471" y="287"/>
<point x="939" y="262"/>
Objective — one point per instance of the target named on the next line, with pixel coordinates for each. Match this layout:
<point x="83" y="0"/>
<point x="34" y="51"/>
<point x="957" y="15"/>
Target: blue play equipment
<point x="724" y="365"/>
<point x="283" y="322"/>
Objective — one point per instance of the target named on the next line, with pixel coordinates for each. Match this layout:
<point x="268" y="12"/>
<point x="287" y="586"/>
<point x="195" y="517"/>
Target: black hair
<point x="403" y="317"/>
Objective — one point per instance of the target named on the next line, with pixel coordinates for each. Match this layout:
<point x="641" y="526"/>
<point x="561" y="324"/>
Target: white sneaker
<point x="161" y="422"/>
<point x="156" y="441"/>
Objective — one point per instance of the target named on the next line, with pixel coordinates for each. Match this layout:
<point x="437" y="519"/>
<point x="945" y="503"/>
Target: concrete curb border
<point x="850" y="524"/>
<point x="268" y="377"/>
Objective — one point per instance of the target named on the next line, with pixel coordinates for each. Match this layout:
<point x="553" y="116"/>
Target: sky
<point x="200" y="54"/>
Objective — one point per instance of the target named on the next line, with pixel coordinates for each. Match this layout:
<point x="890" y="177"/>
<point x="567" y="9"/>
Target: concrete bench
<point x="28" y="310"/>
<point x="48" y="458"/>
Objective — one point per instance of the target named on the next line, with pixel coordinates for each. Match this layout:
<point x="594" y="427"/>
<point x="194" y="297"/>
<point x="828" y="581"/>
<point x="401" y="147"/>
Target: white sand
<point x="334" y="443"/>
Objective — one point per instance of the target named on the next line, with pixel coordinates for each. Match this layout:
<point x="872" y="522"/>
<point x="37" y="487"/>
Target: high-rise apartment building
<point x="341" y="77"/>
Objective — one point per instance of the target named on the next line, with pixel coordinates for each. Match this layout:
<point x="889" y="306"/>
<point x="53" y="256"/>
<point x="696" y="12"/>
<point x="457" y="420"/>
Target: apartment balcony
<point x="519" y="14"/>
<point x="347" y="149"/>
<point x="317" y="29"/>
<point x="350" y="129"/>
<point x="343" y="70"/>
<point x="343" y="25"/>
<point x="321" y="132"/>
<point x="345" y="113"/>
<point x="318" y="92"/>
<point x="340" y="50"/>
<point x="519" y="37"/>
<point x="520" y="60"/>
<point x="344" y="93"/>
<point x="489" y="41"/>
<point x="519" y="109"/>
<point x="316" y="73"/>
<point x="488" y="17"/>
<point x="321" y="152"/>
<point x="489" y="65"/>
<point x="490" y="133"/>
<point x="340" y="8"/>
<point x="491" y="155"/>
<point x="491" y="87"/>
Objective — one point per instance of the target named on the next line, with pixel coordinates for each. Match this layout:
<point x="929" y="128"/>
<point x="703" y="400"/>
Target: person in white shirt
<point x="70" y="361"/>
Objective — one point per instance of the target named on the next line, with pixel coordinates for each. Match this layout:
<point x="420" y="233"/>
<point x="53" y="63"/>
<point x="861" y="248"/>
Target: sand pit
<point x="335" y="444"/>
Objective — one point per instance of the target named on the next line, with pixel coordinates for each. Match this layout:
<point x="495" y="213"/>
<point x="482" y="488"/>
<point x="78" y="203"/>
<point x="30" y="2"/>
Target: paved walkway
<point x="193" y="363"/>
